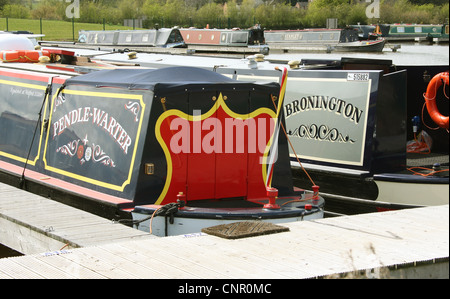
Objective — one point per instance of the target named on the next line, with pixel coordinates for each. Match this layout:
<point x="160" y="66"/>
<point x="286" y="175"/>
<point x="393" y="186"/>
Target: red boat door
<point x="232" y="161"/>
<point x="217" y="166"/>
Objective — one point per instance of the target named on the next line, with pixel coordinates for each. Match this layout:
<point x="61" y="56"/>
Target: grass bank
<point x="54" y="30"/>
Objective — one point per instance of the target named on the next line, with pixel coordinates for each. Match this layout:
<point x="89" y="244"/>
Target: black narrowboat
<point x="125" y="143"/>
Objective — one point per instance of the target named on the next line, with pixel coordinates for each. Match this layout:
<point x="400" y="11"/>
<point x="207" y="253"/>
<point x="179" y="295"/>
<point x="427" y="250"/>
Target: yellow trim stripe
<point x="14" y="157"/>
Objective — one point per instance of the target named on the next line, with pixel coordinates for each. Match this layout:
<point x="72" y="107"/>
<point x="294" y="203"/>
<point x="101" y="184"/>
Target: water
<point x="408" y="54"/>
<point x="7" y="252"/>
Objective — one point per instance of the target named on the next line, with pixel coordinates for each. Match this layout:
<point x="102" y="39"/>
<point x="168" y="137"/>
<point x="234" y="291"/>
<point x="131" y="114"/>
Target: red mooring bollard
<point x="272" y="193"/>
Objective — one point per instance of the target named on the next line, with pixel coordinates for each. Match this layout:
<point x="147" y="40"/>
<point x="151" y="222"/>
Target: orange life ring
<point x="23" y="55"/>
<point x="430" y="99"/>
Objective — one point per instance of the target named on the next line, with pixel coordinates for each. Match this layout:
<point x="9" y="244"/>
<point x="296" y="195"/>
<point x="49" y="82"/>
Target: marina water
<point x="408" y="54"/>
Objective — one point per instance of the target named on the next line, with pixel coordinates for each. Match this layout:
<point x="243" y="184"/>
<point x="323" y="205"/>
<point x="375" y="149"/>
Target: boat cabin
<point x="128" y="137"/>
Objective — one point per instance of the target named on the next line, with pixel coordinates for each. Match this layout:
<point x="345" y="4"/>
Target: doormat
<point x="244" y="229"/>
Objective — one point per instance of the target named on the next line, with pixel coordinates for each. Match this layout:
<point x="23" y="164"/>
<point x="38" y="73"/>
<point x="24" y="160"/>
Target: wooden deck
<point x="398" y="244"/>
<point x="33" y="224"/>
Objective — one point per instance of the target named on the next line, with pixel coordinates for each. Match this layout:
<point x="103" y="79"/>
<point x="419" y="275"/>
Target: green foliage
<point x="49" y="9"/>
<point x="402" y="11"/>
<point x="16" y="11"/>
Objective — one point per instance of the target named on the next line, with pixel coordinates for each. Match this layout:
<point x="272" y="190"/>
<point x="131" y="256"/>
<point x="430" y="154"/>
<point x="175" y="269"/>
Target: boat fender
<point x="259" y="57"/>
<point x="44" y="59"/>
<point x="23" y="55"/>
<point x="430" y="99"/>
<point x="294" y="64"/>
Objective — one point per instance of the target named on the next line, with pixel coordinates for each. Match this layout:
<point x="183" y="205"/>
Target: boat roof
<point x="168" y="77"/>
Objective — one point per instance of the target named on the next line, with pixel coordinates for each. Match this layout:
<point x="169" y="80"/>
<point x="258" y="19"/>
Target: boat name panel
<point x="92" y="130"/>
<point x="326" y="118"/>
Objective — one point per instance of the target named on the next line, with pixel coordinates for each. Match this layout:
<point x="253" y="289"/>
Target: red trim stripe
<point x="50" y="181"/>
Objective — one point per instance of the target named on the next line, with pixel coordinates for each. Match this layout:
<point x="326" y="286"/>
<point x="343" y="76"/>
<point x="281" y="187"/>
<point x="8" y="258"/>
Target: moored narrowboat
<point x="406" y="32"/>
<point x="162" y="37"/>
<point x="129" y="143"/>
<point x="350" y="123"/>
<point x="346" y="39"/>
<point x="236" y="40"/>
<point x="223" y="37"/>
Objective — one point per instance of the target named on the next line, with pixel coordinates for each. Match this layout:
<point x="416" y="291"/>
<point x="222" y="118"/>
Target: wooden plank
<point x="229" y="265"/>
<point x="171" y="255"/>
<point x="57" y="260"/>
<point x="161" y="270"/>
<point x="120" y="262"/>
<point x="126" y="256"/>
<point x="42" y="269"/>
<point x="4" y="275"/>
<point x="98" y="265"/>
<point x="161" y="265"/>
<point x="15" y="270"/>
<point x="38" y="220"/>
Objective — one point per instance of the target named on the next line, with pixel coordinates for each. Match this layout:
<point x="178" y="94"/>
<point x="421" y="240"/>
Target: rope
<point x="432" y="172"/>
<point x="168" y="210"/>
<point x="38" y="122"/>
<point x="423" y="121"/>
<point x="296" y="200"/>
<point x="418" y="147"/>
<point x="292" y="147"/>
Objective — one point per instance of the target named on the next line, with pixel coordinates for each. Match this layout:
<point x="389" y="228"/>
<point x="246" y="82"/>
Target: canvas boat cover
<point x="150" y="79"/>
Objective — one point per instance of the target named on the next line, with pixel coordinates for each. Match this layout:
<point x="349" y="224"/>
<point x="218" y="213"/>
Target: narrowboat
<point x="334" y="39"/>
<point x="350" y="123"/>
<point x="162" y="37"/>
<point x="226" y="40"/>
<point x="412" y="31"/>
<point x="223" y="37"/>
<point x="406" y="32"/>
<point x="399" y="158"/>
<point x="186" y="147"/>
<point x="439" y="35"/>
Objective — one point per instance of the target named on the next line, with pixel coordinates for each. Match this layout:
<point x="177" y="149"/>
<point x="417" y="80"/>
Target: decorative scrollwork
<point x="86" y="154"/>
<point x="99" y="156"/>
<point x="134" y="108"/>
<point x="322" y="133"/>
<point x="69" y="149"/>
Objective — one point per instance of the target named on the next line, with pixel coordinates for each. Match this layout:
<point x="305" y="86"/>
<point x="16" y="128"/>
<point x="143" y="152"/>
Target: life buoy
<point x="23" y="55"/>
<point x="430" y="99"/>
